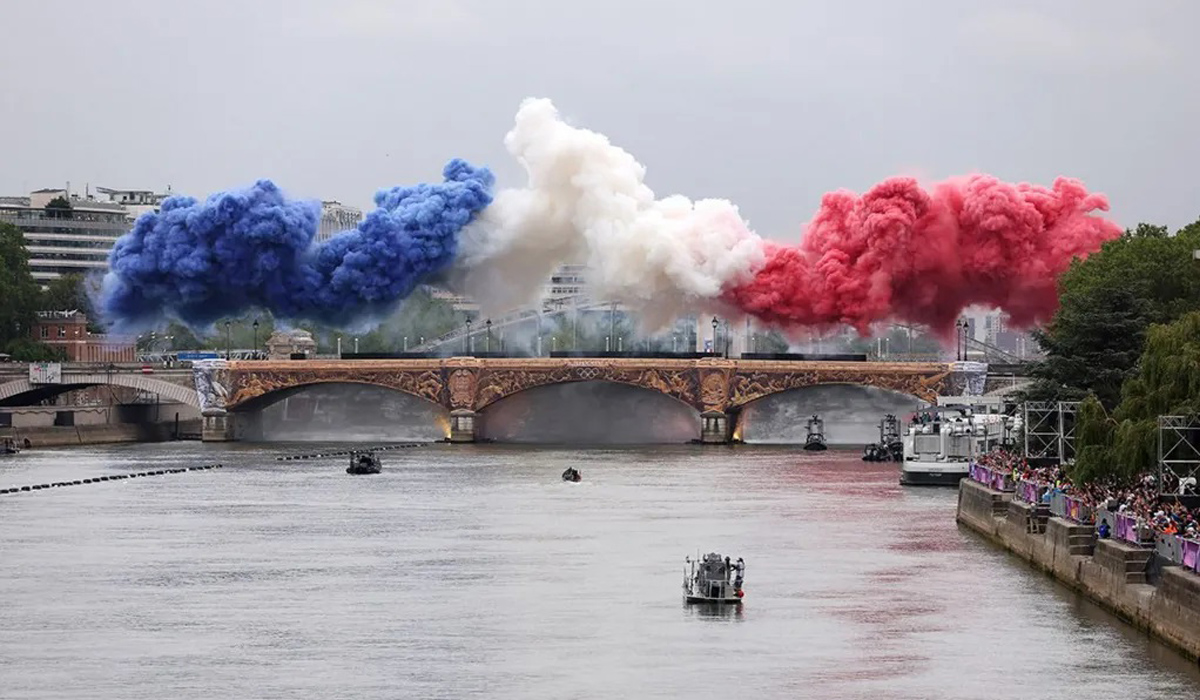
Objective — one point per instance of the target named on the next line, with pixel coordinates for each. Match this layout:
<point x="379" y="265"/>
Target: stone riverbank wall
<point x="1163" y="600"/>
<point x="100" y="434"/>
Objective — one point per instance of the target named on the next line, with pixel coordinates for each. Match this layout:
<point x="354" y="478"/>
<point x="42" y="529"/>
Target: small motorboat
<point x="713" y="579"/>
<point x="572" y="474"/>
<point x="364" y="463"/>
<point x="815" y="440"/>
<point x="9" y="447"/>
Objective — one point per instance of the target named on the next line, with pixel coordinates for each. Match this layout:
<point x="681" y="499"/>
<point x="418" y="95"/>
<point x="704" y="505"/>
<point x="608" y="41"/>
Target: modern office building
<point x="66" y="241"/>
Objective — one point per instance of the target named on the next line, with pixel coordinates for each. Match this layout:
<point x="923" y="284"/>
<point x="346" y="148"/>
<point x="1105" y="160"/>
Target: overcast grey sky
<point x="769" y="104"/>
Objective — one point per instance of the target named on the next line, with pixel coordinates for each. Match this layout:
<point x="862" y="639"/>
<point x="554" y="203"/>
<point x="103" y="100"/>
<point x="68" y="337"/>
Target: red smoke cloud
<point x="901" y="253"/>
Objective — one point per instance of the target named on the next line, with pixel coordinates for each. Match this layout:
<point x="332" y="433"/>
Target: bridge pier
<point x="463" y="425"/>
<point x="218" y="427"/>
<point x="230" y="427"/>
<point x="716" y="428"/>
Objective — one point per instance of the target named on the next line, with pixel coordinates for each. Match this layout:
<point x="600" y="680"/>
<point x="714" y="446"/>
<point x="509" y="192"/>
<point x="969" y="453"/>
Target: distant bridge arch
<point x="22" y="392"/>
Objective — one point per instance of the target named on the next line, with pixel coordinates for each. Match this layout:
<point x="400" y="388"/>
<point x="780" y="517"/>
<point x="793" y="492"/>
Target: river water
<point x="474" y="571"/>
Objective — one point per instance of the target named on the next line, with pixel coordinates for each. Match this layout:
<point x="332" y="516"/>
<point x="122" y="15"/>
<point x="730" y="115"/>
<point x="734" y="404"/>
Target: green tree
<point x="66" y="293"/>
<point x="1107" y="302"/>
<point x="19" y="293"/>
<point x="1166" y="382"/>
<point x="60" y="208"/>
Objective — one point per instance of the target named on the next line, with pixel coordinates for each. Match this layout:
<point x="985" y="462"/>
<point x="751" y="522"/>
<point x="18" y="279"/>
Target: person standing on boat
<point x="740" y="568"/>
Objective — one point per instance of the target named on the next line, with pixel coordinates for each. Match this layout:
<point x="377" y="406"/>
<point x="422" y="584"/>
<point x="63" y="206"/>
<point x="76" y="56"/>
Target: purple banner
<point x="1027" y="491"/>
<point x="1127" y="528"/>
<point x="1191" y="554"/>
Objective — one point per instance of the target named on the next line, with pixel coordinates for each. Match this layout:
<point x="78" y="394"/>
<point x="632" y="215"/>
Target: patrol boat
<point x="815" y="440"/>
<point x="708" y="580"/>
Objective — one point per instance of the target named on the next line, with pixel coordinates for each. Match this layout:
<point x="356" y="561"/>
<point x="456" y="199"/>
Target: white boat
<point x="941" y="441"/>
<point x="713" y="580"/>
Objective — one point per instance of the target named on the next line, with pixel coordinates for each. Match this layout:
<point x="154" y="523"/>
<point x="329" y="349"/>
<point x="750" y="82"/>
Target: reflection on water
<point x="474" y="571"/>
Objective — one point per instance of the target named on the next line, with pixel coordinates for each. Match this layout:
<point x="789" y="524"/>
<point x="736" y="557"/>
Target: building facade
<point x="68" y="332"/>
<point x="335" y="218"/>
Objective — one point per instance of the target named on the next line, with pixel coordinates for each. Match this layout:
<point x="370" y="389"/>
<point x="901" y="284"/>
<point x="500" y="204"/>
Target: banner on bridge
<point x="187" y="356"/>
<point x="45" y="373"/>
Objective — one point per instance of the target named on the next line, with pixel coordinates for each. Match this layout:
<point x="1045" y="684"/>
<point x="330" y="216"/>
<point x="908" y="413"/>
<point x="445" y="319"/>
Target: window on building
<point x="45" y="332"/>
<point x="62" y="331"/>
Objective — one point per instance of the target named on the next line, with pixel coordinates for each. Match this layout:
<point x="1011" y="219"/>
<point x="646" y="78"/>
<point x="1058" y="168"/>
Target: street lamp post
<point x="961" y="325"/>
<point x="488" y="347"/>
<point x="714" y="341"/>
<point x="227" y="340"/>
<point x="468" y="346"/>
<point x="339" y="347"/>
<point x="255" y="324"/>
<point x="406" y="343"/>
<point x="356" y="345"/>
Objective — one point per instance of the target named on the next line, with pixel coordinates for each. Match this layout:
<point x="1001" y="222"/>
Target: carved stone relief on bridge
<point x="462" y="386"/>
<point x="494" y="385"/>
<point x="212" y="385"/>
<point x="251" y="384"/>
<point x="749" y="386"/>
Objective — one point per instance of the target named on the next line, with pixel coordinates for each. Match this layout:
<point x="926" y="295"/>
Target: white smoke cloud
<point x="586" y="202"/>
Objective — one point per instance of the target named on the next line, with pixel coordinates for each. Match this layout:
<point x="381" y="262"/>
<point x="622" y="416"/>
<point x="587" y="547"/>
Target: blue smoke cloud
<point x="252" y="248"/>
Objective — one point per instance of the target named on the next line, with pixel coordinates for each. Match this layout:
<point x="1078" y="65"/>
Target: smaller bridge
<point x="16" y="389"/>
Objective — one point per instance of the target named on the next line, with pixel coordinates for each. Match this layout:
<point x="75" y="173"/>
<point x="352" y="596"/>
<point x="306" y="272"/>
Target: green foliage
<point x="60" y="208"/>
<point x="30" y="350"/>
<point x="66" y="293"/>
<point x="19" y="293"/>
<point x="1167" y="382"/>
<point x="1107" y="302"/>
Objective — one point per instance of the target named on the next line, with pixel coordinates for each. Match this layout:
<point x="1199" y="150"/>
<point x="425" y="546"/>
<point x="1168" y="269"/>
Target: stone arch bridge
<point x="176" y="385"/>
<point x="716" y="388"/>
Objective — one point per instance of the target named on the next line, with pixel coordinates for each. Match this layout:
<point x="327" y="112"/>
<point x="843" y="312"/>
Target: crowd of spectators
<point x="1139" y="498"/>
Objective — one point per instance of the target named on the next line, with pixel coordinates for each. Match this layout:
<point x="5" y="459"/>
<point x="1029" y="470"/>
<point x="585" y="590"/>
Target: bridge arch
<point x="20" y="392"/>
<point x="271" y="397"/>
<point x="851" y="413"/>
<point x="496" y="389"/>
<point x="589" y="411"/>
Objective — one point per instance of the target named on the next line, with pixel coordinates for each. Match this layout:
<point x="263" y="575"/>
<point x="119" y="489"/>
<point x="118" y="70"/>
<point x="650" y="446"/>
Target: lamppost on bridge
<point x="961" y="325"/>
<point x="714" y="340"/>
<point x="255" y="325"/>
<point x="356" y="345"/>
<point x="488" y="347"/>
<point x="227" y="340"/>
<point x="339" y="347"/>
<point x="728" y="339"/>
<point x="468" y="346"/>
<point x="406" y="343"/>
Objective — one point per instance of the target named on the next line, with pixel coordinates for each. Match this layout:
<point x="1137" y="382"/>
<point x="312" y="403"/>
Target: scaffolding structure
<point x="1178" y="455"/>
<point x="1049" y="428"/>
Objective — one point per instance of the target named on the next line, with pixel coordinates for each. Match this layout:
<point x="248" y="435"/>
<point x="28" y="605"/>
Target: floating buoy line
<point x="347" y="453"/>
<point x="109" y="477"/>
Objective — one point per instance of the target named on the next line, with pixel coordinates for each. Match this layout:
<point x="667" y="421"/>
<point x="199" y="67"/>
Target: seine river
<point x="474" y="571"/>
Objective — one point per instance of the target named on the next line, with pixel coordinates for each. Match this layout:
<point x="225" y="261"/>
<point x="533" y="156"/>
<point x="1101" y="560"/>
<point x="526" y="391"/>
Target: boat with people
<point x="364" y="463"/>
<point x="572" y="474"/>
<point x="9" y="447"/>
<point x="890" y="447"/>
<point x="815" y="439"/>
<point x="713" y="579"/>
<point x="942" y="440"/>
